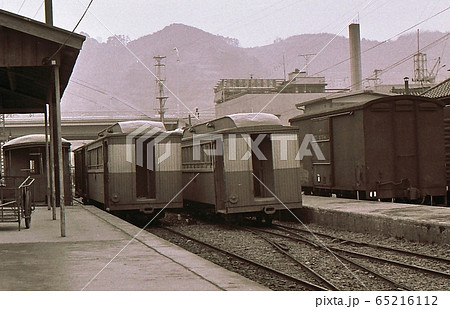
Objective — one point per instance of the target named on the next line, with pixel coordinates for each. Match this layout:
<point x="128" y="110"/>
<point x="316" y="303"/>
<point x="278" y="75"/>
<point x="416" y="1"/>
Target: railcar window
<point x="205" y="159"/>
<point x="95" y="158"/>
<point x="35" y="164"/>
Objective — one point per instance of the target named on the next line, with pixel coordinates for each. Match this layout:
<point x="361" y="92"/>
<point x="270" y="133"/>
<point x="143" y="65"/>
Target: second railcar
<point x="26" y="156"/>
<point x="241" y="165"/>
<point x="388" y="148"/>
<point x="134" y="167"/>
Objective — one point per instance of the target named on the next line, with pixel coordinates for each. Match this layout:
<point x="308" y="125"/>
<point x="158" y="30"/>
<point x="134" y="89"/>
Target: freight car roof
<point x="363" y="105"/>
<point x="127" y="127"/>
<point x="32" y="139"/>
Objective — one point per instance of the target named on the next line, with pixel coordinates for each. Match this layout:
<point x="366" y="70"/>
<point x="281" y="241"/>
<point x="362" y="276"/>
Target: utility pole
<point x="161" y="98"/>
<point x="178" y="82"/>
<point x="307" y="57"/>
<point x="375" y="77"/>
<point x="420" y="64"/>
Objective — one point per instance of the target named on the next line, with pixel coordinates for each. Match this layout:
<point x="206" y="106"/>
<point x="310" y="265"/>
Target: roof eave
<point x="41" y="30"/>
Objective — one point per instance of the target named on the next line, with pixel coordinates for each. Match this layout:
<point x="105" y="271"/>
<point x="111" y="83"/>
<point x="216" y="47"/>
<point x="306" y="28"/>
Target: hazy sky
<point x="252" y="22"/>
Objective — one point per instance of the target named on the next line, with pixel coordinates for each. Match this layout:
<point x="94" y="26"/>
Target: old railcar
<point x="25" y="156"/>
<point x="241" y="165"/>
<point x="388" y="148"/>
<point x="134" y="168"/>
<point x="447" y="145"/>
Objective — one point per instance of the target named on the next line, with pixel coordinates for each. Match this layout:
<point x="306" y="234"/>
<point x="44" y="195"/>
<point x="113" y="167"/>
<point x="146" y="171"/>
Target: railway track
<point x="304" y="283"/>
<point x="359" y="243"/>
<point x="350" y="255"/>
<point x="298" y="238"/>
<point x="283" y="251"/>
<point x="249" y="249"/>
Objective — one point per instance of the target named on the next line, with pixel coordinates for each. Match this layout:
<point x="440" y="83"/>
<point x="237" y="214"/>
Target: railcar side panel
<point x="412" y="134"/>
<point x="286" y="168"/>
<point x="380" y="141"/>
<point x="447" y="142"/>
<point x="237" y="166"/>
<point x="168" y="174"/>
<point x="347" y="152"/>
<point x="431" y="156"/>
<point x="95" y="172"/>
<point x="200" y="189"/>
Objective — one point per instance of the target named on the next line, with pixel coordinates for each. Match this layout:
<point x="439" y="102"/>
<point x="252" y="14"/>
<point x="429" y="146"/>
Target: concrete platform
<point x="97" y="254"/>
<point x="412" y="222"/>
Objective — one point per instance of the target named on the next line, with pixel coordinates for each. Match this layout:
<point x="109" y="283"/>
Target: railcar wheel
<point x="259" y="217"/>
<point x="268" y="219"/>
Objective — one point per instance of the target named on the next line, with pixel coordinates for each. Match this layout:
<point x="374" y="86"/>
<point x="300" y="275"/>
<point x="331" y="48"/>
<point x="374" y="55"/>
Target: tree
<point x="118" y="40"/>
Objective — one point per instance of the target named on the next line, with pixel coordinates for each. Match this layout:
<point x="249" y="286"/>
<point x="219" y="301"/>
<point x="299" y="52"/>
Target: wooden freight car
<point x="25" y="156"/>
<point x="133" y="168"/>
<point x="388" y="148"/>
<point x="241" y="165"/>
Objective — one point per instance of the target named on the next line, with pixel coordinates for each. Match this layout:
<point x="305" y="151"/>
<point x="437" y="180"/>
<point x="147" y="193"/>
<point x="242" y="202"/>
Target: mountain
<point x="117" y="77"/>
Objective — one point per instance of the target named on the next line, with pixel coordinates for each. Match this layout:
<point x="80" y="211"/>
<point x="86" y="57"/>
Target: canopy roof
<point x="26" y="48"/>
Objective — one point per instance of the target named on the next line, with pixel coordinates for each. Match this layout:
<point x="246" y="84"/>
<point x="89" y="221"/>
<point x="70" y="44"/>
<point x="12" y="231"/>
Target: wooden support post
<point x="51" y="163"/>
<point x="59" y="166"/>
<point x="48" y="12"/>
<point x="47" y="160"/>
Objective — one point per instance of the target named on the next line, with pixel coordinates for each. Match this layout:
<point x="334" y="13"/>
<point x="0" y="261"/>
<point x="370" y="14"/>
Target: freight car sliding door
<point x="145" y="170"/>
<point x="404" y="139"/>
<point x="323" y="176"/>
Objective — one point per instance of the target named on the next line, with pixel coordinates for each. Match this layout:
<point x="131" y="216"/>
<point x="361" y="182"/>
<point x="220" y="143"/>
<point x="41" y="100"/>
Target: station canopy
<point x="26" y="48"/>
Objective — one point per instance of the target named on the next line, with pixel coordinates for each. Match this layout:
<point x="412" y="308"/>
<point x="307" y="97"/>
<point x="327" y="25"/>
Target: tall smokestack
<point x="355" y="57"/>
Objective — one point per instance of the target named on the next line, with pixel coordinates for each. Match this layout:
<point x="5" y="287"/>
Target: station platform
<point x="418" y="223"/>
<point x="99" y="253"/>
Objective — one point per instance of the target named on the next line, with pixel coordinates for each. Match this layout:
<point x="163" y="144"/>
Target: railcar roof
<point x="30" y="139"/>
<point x="138" y="126"/>
<point x="362" y="105"/>
<point x="253" y="119"/>
<point x="253" y="122"/>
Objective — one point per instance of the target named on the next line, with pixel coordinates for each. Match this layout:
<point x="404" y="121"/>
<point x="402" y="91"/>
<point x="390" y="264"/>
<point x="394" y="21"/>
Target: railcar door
<point x="219" y="179"/>
<point x="106" y="174"/>
<point x="145" y="170"/>
<point x="323" y="169"/>
<point x="262" y="164"/>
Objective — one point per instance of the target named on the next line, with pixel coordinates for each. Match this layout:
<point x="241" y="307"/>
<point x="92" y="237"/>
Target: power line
<point x="385" y="41"/>
<point x="21" y="6"/>
<point x="96" y="89"/>
<point x="37" y="11"/>
<point x="73" y="31"/>
<point x="404" y="59"/>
